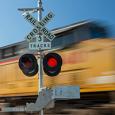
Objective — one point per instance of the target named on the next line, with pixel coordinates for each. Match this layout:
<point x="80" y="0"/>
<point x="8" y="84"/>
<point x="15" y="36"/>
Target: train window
<point x="21" y="48"/>
<point x="7" y="52"/>
<point x="71" y="37"/>
<point x="98" y="32"/>
<point x="78" y="33"/>
<point x="63" y="40"/>
<point x="20" y="51"/>
<point x="0" y="54"/>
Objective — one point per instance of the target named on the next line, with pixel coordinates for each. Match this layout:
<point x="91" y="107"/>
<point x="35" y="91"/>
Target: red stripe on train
<point x="9" y="60"/>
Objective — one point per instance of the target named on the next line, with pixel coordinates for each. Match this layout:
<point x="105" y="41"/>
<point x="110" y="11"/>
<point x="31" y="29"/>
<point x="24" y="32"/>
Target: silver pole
<point x="40" y="60"/>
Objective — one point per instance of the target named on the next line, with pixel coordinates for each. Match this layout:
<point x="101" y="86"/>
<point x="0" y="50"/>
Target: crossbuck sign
<point x="39" y="26"/>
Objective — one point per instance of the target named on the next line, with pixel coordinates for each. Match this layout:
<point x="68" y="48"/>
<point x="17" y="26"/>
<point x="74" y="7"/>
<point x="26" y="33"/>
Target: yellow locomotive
<point x="88" y="61"/>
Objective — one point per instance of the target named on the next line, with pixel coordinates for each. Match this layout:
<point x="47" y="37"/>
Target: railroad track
<point x="88" y="104"/>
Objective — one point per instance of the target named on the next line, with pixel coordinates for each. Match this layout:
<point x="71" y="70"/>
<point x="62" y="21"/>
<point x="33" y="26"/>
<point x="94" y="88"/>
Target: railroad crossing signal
<point x="52" y="63"/>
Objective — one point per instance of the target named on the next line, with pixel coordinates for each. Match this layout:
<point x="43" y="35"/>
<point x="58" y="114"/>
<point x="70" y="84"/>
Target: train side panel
<point x="14" y="83"/>
<point x="90" y="65"/>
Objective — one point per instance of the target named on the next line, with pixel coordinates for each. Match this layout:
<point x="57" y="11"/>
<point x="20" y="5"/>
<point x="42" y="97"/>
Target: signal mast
<point x="51" y="63"/>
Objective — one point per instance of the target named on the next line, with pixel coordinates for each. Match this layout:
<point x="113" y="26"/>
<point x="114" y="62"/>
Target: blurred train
<point x="88" y="56"/>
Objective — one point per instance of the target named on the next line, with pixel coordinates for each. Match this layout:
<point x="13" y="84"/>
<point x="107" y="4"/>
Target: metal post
<point x="40" y="60"/>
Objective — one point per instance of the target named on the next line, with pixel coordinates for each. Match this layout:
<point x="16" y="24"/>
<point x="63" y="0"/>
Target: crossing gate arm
<point x="45" y="97"/>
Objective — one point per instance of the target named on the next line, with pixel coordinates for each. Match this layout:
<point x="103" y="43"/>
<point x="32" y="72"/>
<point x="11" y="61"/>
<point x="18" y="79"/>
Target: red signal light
<point x="52" y="62"/>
